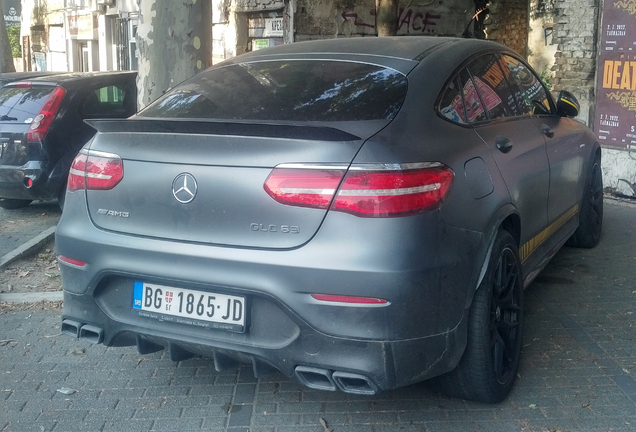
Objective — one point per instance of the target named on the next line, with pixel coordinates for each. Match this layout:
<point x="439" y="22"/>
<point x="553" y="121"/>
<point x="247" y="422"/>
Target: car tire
<point x="12" y="204"/>
<point x="588" y="234"/>
<point x="488" y="367"/>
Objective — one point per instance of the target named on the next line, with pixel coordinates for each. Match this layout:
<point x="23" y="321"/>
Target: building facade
<point x="79" y="35"/>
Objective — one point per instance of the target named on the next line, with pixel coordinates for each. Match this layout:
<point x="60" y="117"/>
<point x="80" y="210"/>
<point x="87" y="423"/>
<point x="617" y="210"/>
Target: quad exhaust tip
<point x="323" y="379"/>
<point x="315" y="378"/>
<point x="88" y="333"/>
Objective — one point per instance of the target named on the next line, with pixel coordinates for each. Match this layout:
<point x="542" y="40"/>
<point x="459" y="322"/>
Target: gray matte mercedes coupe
<point x="360" y="214"/>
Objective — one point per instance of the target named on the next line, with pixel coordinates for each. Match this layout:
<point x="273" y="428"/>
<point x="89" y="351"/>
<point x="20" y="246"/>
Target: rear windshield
<point x="21" y="104"/>
<point x="302" y="90"/>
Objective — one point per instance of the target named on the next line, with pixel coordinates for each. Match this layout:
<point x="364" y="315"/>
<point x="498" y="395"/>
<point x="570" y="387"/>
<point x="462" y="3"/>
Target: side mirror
<point x="567" y="105"/>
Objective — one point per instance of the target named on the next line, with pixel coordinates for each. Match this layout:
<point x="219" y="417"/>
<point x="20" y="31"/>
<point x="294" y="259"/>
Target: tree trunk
<point x="386" y="17"/>
<point x="173" y="39"/>
<point x="6" y="57"/>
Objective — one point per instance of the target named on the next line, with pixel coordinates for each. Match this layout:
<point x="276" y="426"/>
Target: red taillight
<point x="41" y="122"/>
<point x="366" y="191"/>
<point x="307" y="186"/>
<point x="23" y="84"/>
<point x="93" y="170"/>
<point x="387" y="193"/>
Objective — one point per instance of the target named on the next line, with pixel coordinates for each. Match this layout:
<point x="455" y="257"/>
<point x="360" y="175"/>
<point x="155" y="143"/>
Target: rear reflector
<point x="71" y="261"/>
<point x="375" y="190"/>
<point x="41" y="122"/>
<point x="348" y="299"/>
<point x="93" y="170"/>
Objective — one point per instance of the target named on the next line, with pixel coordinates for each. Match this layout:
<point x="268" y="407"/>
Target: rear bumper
<point x="13" y="181"/>
<point x="418" y="334"/>
<point x="300" y="352"/>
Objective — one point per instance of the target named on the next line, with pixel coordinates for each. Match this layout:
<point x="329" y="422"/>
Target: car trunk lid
<point x="20" y="104"/>
<point x="203" y="182"/>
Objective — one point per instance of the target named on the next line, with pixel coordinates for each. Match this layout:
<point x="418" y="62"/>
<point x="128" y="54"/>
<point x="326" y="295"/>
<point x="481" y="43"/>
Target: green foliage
<point x="546" y="76"/>
<point x="14" y="40"/>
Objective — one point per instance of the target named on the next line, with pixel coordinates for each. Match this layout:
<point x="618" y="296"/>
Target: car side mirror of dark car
<point x="567" y="105"/>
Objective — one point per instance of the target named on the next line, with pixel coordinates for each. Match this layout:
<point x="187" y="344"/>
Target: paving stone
<point x="577" y="372"/>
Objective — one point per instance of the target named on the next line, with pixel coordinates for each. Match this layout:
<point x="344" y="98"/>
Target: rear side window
<point x="451" y="104"/>
<point x="303" y="90"/>
<point x="21" y="104"/>
<point x="474" y="107"/>
<point x="530" y="94"/>
<point x="492" y="85"/>
<point x="108" y="101"/>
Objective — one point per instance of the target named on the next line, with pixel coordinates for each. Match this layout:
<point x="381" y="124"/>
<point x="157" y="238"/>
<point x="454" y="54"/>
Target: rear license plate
<point x="185" y="306"/>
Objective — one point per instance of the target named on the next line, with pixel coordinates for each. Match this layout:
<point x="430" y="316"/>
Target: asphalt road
<point x="578" y="371"/>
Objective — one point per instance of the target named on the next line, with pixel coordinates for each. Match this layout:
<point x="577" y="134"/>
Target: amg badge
<point x="113" y="213"/>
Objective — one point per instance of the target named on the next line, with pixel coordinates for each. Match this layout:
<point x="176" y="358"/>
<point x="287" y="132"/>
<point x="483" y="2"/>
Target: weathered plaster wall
<point x="258" y="5"/>
<point x="575" y="32"/>
<point x="541" y="46"/>
<point x="619" y="171"/>
<point x="320" y="19"/>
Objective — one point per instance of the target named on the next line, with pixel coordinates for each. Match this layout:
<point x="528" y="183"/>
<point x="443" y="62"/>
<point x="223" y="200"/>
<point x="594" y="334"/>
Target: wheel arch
<point x="506" y="217"/>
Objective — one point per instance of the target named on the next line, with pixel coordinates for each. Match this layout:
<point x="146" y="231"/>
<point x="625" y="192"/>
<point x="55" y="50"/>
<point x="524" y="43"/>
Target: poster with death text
<point x="615" y="122"/>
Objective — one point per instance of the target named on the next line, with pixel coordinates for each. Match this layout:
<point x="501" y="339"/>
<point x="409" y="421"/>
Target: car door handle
<point x="547" y="130"/>
<point x="503" y="144"/>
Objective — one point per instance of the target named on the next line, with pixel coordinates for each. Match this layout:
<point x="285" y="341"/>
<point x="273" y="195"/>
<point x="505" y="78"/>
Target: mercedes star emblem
<point x="184" y="188"/>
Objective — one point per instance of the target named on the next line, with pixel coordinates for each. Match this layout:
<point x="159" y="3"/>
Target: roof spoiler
<point x="303" y="132"/>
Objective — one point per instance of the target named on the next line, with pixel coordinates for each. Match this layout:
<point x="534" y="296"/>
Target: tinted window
<point x="474" y="108"/>
<point x="108" y="101"/>
<point x="287" y="90"/>
<point x="493" y="88"/>
<point x="451" y="104"/>
<point x="21" y="104"/>
<point x="526" y="87"/>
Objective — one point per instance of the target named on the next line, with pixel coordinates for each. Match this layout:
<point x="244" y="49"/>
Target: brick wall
<point x="507" y="23"/>
<point x="575" y="32"/>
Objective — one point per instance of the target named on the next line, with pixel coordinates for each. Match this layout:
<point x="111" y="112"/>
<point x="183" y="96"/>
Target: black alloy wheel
<point x="488" y="368"/>
<point x="505" y="316"/>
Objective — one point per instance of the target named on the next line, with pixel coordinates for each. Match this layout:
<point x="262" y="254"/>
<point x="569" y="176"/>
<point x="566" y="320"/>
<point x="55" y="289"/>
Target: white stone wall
<point x="619" y="171"/>
<point x="541" y="44"/>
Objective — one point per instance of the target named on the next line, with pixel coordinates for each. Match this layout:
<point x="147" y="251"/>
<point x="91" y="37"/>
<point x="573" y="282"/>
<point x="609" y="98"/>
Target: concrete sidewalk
<point x="577" y="371"/>
<point x="25" y="230"/>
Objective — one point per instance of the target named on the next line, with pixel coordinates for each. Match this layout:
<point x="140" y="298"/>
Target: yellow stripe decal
<point x="531" y="246"/>
<point x="569" y="103"/>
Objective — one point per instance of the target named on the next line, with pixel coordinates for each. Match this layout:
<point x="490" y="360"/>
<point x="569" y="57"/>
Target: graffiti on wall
<point x="410" y="21"/>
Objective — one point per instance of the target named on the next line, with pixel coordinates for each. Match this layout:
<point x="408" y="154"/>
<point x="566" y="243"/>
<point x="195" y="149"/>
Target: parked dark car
<point x="360" y="214"/>
<point x="42" y="128"/>
<point x="7" y="77"/>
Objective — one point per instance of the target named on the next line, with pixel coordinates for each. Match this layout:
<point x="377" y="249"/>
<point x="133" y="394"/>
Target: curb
<point x="623" y="202"/>
<point x="31" y="297"/>
<point x="31" y="245"/>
